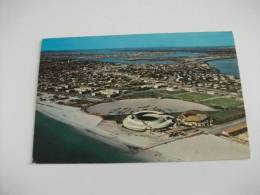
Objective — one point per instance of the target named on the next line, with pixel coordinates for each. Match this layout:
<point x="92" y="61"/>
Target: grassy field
<point x="210" y="100"/>
<point x="223" y="102"/>
<point x="152" y="93"/>
<point x="193" y="96"/>
<point x="219" y="102"/>
<point x="227" y="115"/>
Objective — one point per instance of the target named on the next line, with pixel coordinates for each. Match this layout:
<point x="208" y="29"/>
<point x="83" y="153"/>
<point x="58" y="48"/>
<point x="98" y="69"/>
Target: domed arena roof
<point x="147" y="120"/>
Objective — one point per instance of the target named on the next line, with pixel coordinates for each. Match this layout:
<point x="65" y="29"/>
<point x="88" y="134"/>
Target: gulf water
<point x="56" y="142"/>
<point x="226" y="66"/>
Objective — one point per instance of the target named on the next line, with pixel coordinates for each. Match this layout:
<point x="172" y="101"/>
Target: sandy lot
<point x="130" y="105"/>
<point x="203" y="147"/>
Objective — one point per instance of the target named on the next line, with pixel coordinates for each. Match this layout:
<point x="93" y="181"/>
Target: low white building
<point x="169" y="89"/>
<point x="109" y="92"/>
<point x="210" y="92"/>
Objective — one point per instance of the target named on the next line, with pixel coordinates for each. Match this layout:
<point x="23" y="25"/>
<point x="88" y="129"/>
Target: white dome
<point x="145" y="120"/>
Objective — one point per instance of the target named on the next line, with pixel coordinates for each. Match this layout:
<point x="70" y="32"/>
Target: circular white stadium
<point x="147" y="120"/>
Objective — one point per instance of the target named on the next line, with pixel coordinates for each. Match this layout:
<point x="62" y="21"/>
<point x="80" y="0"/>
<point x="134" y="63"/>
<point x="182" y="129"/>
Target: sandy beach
<point x="94" y="126"/>
<point x="85" y="123"/>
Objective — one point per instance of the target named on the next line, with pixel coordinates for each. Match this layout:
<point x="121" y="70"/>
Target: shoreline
<point x="122" y="143"/>
<point x="95" y="125"/>
<point x="221" y="70"/>
<point x="172" y="150"/>
<point x="93" y="131"/>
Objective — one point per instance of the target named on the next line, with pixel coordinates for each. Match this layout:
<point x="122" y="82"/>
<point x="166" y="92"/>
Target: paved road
<point x="217" y="129"/>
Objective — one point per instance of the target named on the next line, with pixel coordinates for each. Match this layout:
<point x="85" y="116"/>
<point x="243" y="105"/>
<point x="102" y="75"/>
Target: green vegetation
<point x="193" y="96"/>
<point x="223" y="102"/>
<point x="218" y="102"/>
<point x="152" y="93"/>
<point x="228" y="108"/>
<point x="118" y="118"/>
<point x="223" y="116"/>
<point x="210" y="100"/>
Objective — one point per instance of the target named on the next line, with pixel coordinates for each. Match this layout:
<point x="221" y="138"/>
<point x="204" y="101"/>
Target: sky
<point x="196" y="39"/>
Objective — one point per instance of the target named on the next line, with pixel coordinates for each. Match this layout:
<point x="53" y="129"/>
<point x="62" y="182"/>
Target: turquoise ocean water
<point x="226" y="66"/>
<point x="56" y="142"/>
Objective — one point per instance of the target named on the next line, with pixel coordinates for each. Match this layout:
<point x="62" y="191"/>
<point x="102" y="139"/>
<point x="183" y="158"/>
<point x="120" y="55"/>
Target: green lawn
<point x="192" y="96"/>
<point x="223" y="102"/>
<point x="152" y="93"/>
<point x="210" y="100"/>
<point x="202" y="98"/>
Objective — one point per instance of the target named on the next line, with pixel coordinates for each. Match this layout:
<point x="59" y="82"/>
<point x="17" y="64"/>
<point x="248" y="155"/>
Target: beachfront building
<point x="194" y="120"/>
<point x="147" y="120"/>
